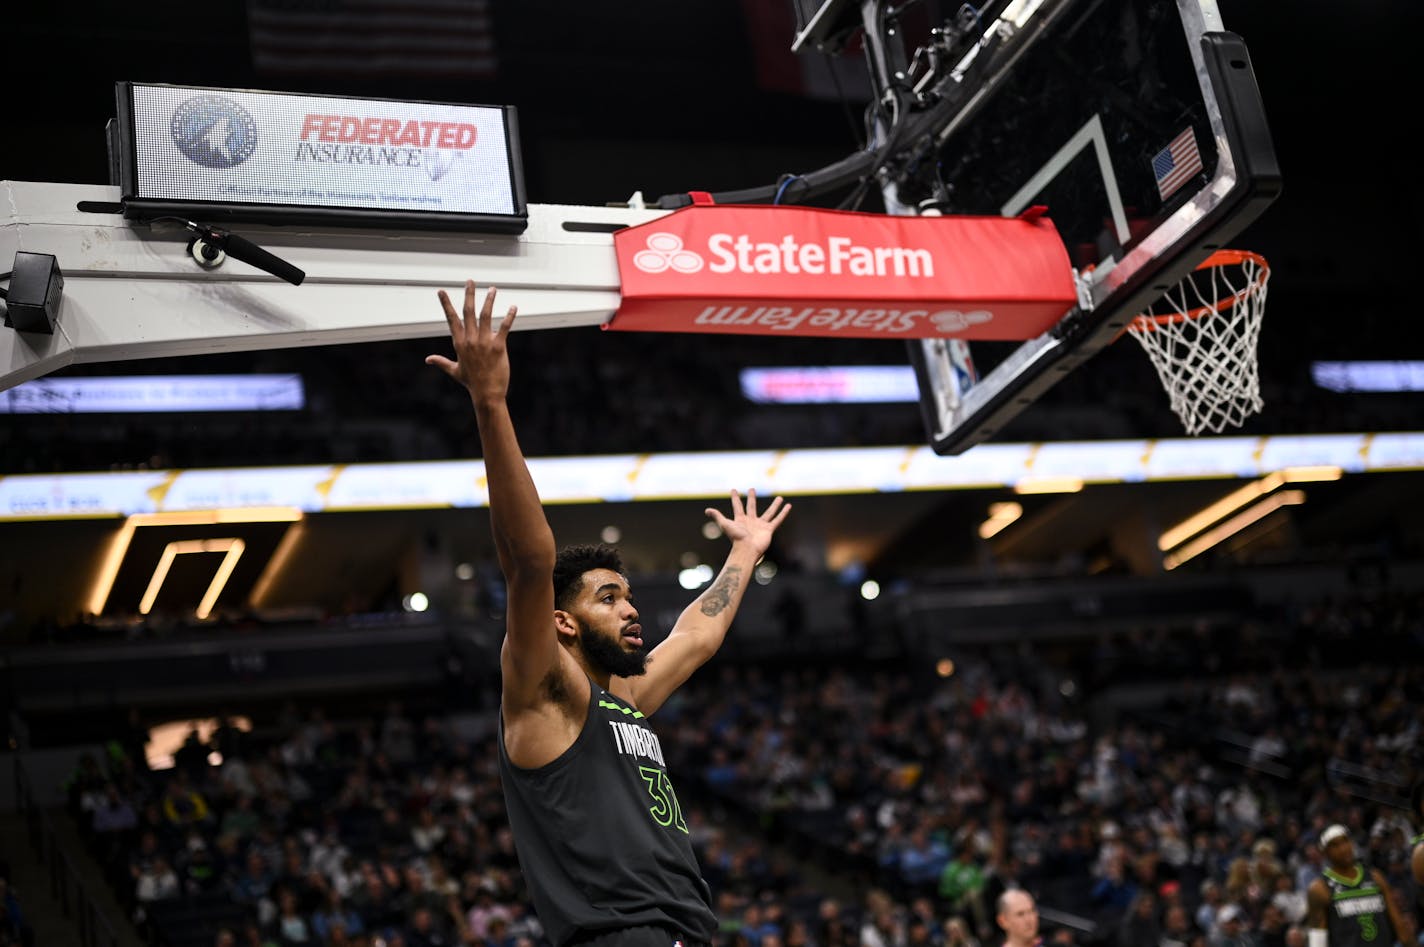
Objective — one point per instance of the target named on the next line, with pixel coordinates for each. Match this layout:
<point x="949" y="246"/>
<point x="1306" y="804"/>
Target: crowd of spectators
<point x="866" y="806"/>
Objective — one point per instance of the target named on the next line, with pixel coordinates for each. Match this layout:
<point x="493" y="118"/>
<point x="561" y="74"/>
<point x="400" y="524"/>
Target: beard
<point x="607" y="654"/>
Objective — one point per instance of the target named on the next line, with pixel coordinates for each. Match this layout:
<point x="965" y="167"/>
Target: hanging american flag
<point x="420" y="39"/>
<point x="1176" y="163"/>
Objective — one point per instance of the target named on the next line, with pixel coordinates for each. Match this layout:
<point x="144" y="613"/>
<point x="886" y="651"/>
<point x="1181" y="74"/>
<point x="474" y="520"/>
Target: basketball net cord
<point x="1202" y="339"/>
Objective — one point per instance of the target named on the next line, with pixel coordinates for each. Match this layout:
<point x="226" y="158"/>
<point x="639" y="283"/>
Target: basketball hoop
<point x="1202" y="337"/>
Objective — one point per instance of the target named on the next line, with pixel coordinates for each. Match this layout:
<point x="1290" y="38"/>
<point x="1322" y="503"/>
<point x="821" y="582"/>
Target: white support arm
<point x="131" y="289"/>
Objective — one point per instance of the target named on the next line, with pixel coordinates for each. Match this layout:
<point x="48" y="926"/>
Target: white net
<point x="1202" y="337"/>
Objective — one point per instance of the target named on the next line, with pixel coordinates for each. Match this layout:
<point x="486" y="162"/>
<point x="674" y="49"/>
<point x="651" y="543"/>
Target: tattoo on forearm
<point x="719" y="597"/>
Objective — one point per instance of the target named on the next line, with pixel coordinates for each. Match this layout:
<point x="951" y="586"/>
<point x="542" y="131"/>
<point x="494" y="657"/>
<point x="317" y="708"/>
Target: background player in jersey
<point x="601" y="838"/>
<point x="1352" y="904"/>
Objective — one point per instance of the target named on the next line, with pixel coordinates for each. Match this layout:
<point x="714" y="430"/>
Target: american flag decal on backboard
<point x="431" y="39"/>
<point x="1175" y="164"/>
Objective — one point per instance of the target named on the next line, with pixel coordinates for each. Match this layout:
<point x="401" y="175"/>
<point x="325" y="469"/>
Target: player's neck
<point x="600" y="677"/>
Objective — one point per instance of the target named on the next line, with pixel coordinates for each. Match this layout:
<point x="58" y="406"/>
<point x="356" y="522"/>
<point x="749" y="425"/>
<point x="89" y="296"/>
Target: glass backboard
<point x="1137" y="123"/>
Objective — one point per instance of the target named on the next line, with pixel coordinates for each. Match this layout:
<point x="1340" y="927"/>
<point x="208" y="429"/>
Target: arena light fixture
<point x="277" y="564"/>
<point x="231" y="547"/>
<point x="1312" y="473"/>
<point x="1231" y="527"/>
<point x="1224" y="507"/>
<point x="1049" y="485"/>
<point x="1000" y="516"/>
<point x="119" y="545"/>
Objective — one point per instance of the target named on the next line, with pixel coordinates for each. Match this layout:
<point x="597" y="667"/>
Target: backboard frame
<point x="960" y="410"/>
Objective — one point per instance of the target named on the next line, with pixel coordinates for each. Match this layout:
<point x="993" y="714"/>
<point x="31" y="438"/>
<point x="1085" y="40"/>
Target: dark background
<point x="664" y="98"/>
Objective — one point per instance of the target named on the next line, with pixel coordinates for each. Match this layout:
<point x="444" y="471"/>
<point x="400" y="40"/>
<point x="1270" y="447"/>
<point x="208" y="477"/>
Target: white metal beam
<point x="132" y="290"/>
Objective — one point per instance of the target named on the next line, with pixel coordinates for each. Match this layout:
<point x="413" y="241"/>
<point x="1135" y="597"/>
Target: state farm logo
<point x="740" y="253"/>
<point x="665" y="252"/>
<point x="818" y="319"/>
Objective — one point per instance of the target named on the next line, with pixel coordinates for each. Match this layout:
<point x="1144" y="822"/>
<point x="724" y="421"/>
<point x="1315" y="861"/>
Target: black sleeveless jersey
<point x="1357" y="916"/>
<point x="601" y="838"/>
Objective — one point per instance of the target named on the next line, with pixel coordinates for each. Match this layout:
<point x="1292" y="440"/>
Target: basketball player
<point x="601" y="838"/>
<point x="1017" y="915"/>
<point x="1351" y="904"/>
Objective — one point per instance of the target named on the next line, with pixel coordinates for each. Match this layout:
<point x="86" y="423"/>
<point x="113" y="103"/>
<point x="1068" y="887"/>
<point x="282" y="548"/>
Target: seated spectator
<point x="1114" y="892"/>
<point x="235" y="778"/>
<point x="199" y="869"/>
<point x="114" y="820"/>
<point x="335" y="913"/>
<point x="253" y="884"/>
<point x="882" y="925"/>
<point x="923" y="859"/>
<point x="156" y="881"/>
<point x="240" y="818"/>
<point x="376" y="901"/>
<point x="1271" y="929"/>
<point x="1289" y="900"/>
<point x="141" y="857"/>
<point x="427" y="833"/>
<point x="523" y="923"/>
<point x="429" y="928"/>
<point x="961" y="886"/>
<point x="1211" y="902"/>
<point x="415" y="892"/>
<point x="484" y="910"/>
<point x="1140" y="926"/>
<point x="957" y="934"/>
<point x="1231" y="929"/>
<point x="290" y="927"/>
<point x="84" y="788"/>
<point x="182" y="804"/>
<point x="1177" y="929"/>
<point x="499" y="935"/>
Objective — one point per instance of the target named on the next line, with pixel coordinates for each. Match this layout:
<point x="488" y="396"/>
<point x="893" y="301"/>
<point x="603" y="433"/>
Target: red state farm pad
<point x="760" y="269"/>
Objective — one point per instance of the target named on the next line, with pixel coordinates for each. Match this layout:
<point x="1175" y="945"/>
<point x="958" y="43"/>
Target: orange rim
<point x="1146" y="323"/>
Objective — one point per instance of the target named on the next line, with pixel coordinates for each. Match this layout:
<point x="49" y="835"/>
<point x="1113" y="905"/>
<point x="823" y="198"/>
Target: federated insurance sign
<point x="773" y="270"/>
<point x="226" y="146"/>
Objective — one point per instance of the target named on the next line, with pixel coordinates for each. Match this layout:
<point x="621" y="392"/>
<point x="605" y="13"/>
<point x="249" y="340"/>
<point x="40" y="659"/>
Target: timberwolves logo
<point x="214" y="132"/>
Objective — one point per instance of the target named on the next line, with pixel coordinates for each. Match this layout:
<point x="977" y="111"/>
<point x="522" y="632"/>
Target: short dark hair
<point x="571" y="564"/>
<point x="1416" y="799"/>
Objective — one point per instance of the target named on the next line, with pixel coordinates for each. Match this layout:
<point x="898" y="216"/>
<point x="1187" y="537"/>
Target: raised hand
<point x="481" y="356"/>
<point x="746" y="525"/>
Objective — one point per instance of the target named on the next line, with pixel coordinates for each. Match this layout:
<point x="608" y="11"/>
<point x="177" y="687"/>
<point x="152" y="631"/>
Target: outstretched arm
<point x="522" y="537"/>
<point x="1317" y="906"/>
<point x="703" y="625"/>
